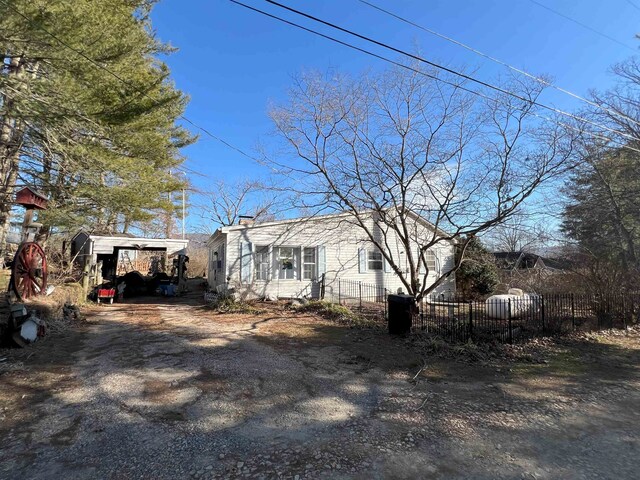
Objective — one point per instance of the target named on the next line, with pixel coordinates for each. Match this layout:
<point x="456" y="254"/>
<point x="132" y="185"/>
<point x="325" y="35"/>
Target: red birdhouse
<point x="30" y="199"/>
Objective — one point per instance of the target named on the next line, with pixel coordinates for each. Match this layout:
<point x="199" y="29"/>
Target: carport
<point x="103" y="257"/>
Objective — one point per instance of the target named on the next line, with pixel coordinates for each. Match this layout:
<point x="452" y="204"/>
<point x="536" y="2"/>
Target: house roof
<point x="231" y="228"/>
<point x="525" y="260"/>
<point x="107" y="243"/>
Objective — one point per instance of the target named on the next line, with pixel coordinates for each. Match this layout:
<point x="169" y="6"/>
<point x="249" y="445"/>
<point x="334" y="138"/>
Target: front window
<point x="287" y="263"/>
<point x="262" y="263"/>
<point x="309" y="264"/>
<point x="375" y="260"/>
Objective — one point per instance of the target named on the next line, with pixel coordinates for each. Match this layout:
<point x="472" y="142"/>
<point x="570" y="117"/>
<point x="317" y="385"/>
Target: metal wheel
<point x="29" y="271"/>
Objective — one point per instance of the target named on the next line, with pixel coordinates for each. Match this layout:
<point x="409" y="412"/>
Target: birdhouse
<point x="30" y="199"/>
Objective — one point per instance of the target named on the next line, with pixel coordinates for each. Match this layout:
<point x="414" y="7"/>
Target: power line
<point x="118" y="77"/>
<point x="407" y="67"/>
<point x="448" y="70"/>
<point x="500" y="62"/>
<point x="633" y="5"/>
<point x="583" y="25"/>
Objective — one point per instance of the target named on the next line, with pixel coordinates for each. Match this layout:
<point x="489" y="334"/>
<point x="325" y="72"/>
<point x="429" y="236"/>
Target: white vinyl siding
<point x="341" y="252"/>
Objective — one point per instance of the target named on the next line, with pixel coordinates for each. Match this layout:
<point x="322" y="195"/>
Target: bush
<point x="227" y="303"/>
<point x="477" y="276"/>
<point x="337" y="313"/>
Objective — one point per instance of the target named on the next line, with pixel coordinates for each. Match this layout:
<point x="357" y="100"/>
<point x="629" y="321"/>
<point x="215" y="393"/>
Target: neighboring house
<point x="513" y="261"/>
<point x="291" y="258"/>
<point x="527" y="270"/>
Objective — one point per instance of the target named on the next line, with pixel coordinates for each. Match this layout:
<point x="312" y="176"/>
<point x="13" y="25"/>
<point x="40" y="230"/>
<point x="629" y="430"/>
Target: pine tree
<point x="603" y="213"/>
<point x="98" y="136"/>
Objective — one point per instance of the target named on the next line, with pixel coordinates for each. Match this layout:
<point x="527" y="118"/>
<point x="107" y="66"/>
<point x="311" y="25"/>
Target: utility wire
<point x="450" y="70"/>
<point x="583" y="25"/>
<point x="125" y="82"/>
<point x="420" y="72"/>
<point x="633" y="5"/>
<point x="500" y="62"/>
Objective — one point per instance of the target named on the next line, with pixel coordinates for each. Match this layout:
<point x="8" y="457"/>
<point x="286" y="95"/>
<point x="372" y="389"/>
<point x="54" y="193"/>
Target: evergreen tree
<point x="96" y="131"/>
<point x="478" y="274"/>
<point x="603" y="213"/>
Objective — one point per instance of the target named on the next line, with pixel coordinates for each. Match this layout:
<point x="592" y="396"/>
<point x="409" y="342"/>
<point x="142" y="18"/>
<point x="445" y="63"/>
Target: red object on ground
<point x="107" y="294"/>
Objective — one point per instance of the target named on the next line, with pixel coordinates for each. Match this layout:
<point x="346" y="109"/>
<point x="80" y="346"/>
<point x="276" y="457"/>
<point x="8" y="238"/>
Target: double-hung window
<point x="431" y="261"/>
<point x="309" y="263"/>
<point x="287" y="263"/>
<point x="262" y="263"/>
<point x="374" y="260"/>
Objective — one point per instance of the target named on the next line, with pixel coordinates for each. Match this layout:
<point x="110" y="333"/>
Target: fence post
<point x="470" y="319"/>
<point x="573" y="312"/>
<point x="360" y="293"/>
<point x="542" y="312"/>
<point x="509" y="316"/>
<point x="385" y="302"/>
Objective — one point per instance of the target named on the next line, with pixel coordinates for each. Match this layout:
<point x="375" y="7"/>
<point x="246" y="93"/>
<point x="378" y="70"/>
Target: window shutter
<point x="386" y="266"/>
<point x="246" y="262"/>
<point x="436" y="256"/>
<point x="423" y="266"/>
<point x="362" y="260"/>
<point x="322" y="260"/>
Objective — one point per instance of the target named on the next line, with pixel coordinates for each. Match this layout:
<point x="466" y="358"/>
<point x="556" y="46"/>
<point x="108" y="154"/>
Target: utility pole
<point x="184" y="213"/>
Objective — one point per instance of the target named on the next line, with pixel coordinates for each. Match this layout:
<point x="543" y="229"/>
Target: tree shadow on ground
<point x="158" y="389"/>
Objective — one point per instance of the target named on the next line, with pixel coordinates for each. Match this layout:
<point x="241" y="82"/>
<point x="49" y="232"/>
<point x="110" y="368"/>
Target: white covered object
<point x="501" y="306"/>
<point x="29" y="331"/>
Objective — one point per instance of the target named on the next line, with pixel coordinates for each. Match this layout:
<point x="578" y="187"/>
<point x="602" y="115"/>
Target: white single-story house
<point x="290" y="258"/>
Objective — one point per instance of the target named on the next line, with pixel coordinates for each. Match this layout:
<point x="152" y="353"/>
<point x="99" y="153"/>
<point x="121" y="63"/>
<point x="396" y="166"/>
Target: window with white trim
<point x="374" y="260"/>
<point x="431" y="261"/>
<point x="287" y="262"/>
<point x="261" y="258"/>
<point x="309" y="263"/>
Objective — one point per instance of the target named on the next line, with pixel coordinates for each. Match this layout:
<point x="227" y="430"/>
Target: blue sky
<point x="234" y="63"/>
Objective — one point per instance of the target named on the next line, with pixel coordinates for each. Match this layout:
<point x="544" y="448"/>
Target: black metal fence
<point x="516" y="318"/>
<point x="508" y="318"/>
<point x="365" y="297"/>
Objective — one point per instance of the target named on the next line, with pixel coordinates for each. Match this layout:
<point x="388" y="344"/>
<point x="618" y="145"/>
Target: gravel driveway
<point x="171" y="390"/>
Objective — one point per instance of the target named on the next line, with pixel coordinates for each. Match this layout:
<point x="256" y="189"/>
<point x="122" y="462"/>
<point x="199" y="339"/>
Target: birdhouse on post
<point x="31" y="200"/>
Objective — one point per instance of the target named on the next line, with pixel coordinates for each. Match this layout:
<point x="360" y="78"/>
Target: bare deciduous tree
<point x="225" y="203"/>
<point x="401" y="144"/>
<point x="520" y="233"/>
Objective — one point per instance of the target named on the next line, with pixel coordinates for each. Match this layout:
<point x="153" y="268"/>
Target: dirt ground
<point x="167" y="389"/>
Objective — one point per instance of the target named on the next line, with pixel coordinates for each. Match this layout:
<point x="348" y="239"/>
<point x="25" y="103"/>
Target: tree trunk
<point x="11" y="137"/>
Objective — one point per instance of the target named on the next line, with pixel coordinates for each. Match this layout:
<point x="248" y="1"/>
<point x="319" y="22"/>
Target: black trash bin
<point x="401" y="309"/>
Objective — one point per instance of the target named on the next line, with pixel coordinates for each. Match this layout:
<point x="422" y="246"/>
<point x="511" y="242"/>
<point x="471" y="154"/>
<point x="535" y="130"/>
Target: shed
<point x="103" y="257"/>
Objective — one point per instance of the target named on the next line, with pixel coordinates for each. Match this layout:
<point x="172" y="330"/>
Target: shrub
<point x="337" y="313"/>
<point x="227" y="303"/>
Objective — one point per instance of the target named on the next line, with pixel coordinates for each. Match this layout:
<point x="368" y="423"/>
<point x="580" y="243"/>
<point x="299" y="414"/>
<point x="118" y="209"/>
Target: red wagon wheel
<point x="29" y="271"/>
